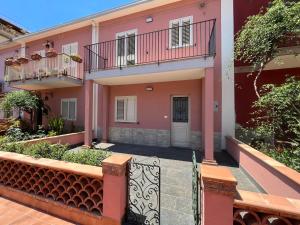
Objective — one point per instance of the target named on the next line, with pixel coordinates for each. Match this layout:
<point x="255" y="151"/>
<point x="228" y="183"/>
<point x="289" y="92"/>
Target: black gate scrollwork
<point x="195" y="191"/>
<point x="143" y="193"/>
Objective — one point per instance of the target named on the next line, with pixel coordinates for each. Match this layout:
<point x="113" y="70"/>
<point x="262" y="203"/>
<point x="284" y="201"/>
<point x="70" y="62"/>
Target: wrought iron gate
<point x="143" y="192"/>
<point x="196" y="192"/>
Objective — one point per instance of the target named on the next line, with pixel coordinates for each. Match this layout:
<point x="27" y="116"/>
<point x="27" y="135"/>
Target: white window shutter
<point x="186" y="32"/>
<point x="131" y="109"/>
<point x="175" y="33"/>
<point x="74" y="48"/>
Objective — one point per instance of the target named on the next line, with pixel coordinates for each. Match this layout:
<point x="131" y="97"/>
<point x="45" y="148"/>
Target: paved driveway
<point x="176" y="178"/>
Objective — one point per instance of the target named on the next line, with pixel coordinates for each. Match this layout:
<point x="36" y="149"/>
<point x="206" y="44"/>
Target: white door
<point x="69" y="65"/>
<point x="126" y="48"/>
<point x="180" y="127"/>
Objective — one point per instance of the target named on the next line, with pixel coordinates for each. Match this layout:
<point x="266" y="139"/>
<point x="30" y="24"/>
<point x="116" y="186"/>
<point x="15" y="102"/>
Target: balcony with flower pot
<point x="54" y="70"/>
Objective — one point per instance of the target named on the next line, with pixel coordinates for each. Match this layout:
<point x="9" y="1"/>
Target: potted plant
<point x="36" y="57"/>
<point x="51" y="53"/>
<point x="76" y="58"/>
<point x="9" y="61"/>
<point x="15" y="62"/>
<point x="22" y="60"/>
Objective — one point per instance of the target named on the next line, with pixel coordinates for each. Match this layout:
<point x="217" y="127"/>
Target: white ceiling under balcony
<point x="46" y="83"/>
<point x="152" y="73"/>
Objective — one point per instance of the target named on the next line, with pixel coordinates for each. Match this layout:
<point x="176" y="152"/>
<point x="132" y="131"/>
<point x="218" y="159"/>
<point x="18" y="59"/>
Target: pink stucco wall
<point x="161" y="17"/>
<point x="281" y="180"/>
<point x="54" y="101"/>
<point x="6" y="53"/>
<point x="154" y="107"/>
<point x="83" y="36"/>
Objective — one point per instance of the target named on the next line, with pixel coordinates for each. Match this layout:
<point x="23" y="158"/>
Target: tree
<point x="20" y="100"/>
<point x="277" y="113"/>
<point x="259" y="41"/>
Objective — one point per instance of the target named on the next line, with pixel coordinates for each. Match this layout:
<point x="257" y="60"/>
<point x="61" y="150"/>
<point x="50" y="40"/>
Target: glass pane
<point x="186" y="33"/>
<point x="180" y="109"/>
<point x="131" y="44"/>
<point x="175" y="34"/>
<point x="72" y="110"/>
<point x="121" y="45"/>
<point x="120" y="109"/>
<point x="64" y="109"/>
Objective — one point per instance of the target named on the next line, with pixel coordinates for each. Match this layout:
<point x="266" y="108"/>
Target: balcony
<point x="190" y="41"/>
<point x="47" y="73"/>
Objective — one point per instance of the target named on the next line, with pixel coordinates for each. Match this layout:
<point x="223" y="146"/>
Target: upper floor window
<point x="69" y="108"/>
<point x="181" y="33"/>
<point x="126" y="109"/>
<point x="126" y="48"/>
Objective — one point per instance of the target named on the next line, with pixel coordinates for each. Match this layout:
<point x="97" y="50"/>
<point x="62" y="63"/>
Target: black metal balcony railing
<point x="179" y="42"/>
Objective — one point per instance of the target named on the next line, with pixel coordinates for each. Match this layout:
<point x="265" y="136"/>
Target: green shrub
<point x="46" y="150"/>
<point x="16" y="134"/>
<point x="52" y="133"/>
<point x="56" y="125"/>
<point x="13" y="147"/>
<point x="86" y="156"/>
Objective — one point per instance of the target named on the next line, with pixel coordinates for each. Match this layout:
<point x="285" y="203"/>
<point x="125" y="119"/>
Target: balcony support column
<point x="105" y="113"/>
<point x="95" y="39"/>
<point x="208" y="115"/>
<point x="88" y="91"/>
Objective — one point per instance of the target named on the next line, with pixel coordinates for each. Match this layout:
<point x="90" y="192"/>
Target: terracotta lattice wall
<point x="243" y="217"/>
<point x="73" y="190"/>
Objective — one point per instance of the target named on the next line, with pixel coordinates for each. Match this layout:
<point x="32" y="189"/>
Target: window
<point x="126" y="48"/>
<point x="126" y="109"/>
<point x="181" y="33"/>
<point x="69" y="108"/>
<point x="69" y="65"/>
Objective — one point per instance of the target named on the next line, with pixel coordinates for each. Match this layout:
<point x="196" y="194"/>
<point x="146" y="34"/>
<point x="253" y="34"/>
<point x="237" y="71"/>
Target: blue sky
<point x="35" y="15"/>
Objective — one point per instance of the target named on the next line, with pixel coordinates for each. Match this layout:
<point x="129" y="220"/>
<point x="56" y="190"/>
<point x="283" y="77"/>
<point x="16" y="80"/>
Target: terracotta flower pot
<point x="76" y="58"/>
<point x="36" y="57"/>
<point x="22" y="60"/>
<point x="9" y="62"/>
<point x="51" y="54"/>
<point x="15" y="63"/>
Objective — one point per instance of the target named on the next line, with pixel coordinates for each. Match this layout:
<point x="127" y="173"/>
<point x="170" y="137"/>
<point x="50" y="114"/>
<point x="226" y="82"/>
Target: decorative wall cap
<point x="269" y="204"/>
<point x="218" y="179"/>
<point x="268" y="161"/>
<point x="80" y="169"/>
<point x="115" y="165"/>
<point x="52" y="137"/>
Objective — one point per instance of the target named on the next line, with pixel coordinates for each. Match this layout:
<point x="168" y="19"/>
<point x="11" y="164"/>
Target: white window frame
<point x="180" y="21"/>
<point x="61" y="108"/>
<point x="126" y="33"/>
<point x="126" y="120"/>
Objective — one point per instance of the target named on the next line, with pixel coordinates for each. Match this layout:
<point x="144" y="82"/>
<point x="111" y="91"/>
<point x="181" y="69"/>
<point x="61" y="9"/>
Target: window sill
<point x="181" y="46"/>
<point x="127" y="122"/>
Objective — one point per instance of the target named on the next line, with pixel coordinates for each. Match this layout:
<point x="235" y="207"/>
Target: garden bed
<point x="56" y="151"/>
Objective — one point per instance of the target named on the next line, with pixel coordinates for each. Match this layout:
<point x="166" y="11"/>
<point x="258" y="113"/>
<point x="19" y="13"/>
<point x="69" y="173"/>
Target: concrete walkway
<point x="176" y="178"/>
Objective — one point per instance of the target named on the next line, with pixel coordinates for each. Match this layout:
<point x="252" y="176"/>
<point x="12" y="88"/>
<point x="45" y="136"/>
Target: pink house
<point x="154" y="73"/>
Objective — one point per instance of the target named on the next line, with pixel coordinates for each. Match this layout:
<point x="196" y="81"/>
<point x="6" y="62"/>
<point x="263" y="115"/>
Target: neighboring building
<point x="275" y="73"/>
<point x="8" y="31"/>
<point x="155" y="73"/>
